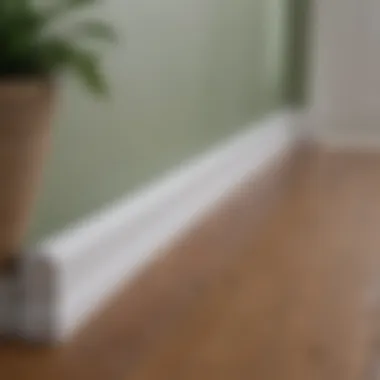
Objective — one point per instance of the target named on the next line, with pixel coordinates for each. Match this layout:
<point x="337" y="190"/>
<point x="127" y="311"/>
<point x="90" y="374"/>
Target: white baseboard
<point x="358" y="132"/>
<point x="349" y="142"/>
<point x="73" y="274"/>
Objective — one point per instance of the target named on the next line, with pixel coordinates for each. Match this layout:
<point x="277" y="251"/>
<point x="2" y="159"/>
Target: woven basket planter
<point x="25" y="113"/>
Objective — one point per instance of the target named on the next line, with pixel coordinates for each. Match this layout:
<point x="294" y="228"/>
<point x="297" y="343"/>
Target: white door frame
<point x="344" y="103"/>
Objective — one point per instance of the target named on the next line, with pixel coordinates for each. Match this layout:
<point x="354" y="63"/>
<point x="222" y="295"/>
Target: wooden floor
<point x="297" y="297"/>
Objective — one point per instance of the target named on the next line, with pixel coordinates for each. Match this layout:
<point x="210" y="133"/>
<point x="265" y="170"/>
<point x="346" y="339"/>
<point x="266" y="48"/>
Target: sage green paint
<point x="186" y="75"/>
<point x="297" y="52"/>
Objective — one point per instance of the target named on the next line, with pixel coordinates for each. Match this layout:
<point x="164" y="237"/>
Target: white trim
<point x="349" y="142"/>
<point x="344" y="109"/>
<point x="73" y="274"/>
<point x="338" y="133"/>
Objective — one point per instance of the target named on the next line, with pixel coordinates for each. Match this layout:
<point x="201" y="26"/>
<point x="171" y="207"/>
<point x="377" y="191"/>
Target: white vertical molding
<point x="343" y="83"/>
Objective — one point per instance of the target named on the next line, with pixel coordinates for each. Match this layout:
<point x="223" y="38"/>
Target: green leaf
<point x="28" y="49"/>
<point x="87" y="67"/>
<point x="58" y="54"/>
<point x="65" y="6"/>
<point x="96" y="29"/>
<point x="20" y="29"/>
<point x="9" y="6"/>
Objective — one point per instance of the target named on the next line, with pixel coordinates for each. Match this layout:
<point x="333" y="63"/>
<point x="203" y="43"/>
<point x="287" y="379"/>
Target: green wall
<point x="298" y="42"/>
<point x="186" y="75"/>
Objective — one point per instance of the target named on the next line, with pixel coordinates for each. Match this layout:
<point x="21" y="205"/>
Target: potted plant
<point x="32" y="54"/>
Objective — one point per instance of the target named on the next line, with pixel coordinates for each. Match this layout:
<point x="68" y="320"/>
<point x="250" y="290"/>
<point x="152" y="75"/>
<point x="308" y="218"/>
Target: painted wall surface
<point x="298" y="48"/>
<point x="185" y="75"/>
